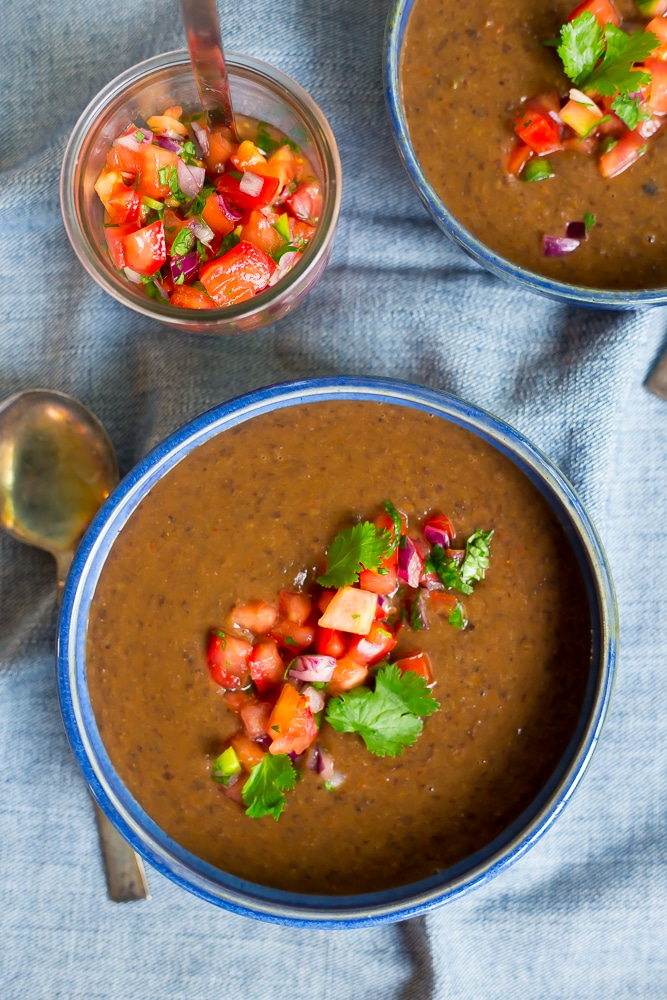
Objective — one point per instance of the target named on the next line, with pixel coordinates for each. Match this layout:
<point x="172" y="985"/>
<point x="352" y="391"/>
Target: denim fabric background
<point x="583" y="915"/>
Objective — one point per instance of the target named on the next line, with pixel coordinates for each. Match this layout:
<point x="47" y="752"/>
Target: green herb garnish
<point x="282" y="227"/>
<point x="189" y="153"/>
<point x="226" y="767"/>
<point x="199" y="204"/>
<point x="537" y="170"/>
<point x="362" y="547"/>
<point x="398" y="524"/>
<point x="229" y="241"/>
<point x="184" y="242"/>
<point x="457" y="617"/>
<point x="604" y="60"/>
<point x="455" y="576"/>
<point x="263" y="791"/>
<point x="589" y="221"/>
<point x="236" y="174"/>
<point x="265" y="140"/>
<point x="388" y="719"/>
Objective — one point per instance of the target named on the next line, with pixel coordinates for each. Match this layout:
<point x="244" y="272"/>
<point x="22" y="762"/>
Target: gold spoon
<point x="57" y="466"/>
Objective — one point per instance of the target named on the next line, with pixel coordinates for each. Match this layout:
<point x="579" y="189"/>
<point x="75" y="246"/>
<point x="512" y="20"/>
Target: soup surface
<point x="465" y="69"/>
<point x="240" y="518"/>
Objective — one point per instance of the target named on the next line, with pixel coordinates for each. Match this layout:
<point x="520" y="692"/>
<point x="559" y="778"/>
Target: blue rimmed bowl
<point x="278" y="906"/>
<point x="582" y="295"/>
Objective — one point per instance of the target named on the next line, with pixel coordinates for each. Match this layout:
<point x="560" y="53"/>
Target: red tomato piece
<point x="255" y="616"/>
<point x="248" y="752"/>
<point x="349" y="673"/>
<point x="657" y="92"/>
<point x="266" y="665"/>
<point x="517" y="158"/>
<point x="260" y="231"/>
<point x="237" y="275"/>
<point x="296" y="607"/>
<point x="220" y="149"/>
<point x="230" y="186"/>
<point x="153" y="160"/>
<point x="603" y="11"/>
<point x="255" y="718"/>
<point x="191" y="298"/>
<point x="306" y="202"/>
<point x="621" y="156"/>
<point x="145" y="249"/>
<point x="379" y="583"/>
<point x="539" y="131"/>
<point x="418" y="663"/>
<point x="659" y="28"/>
<point x="214" y="217"/>
<point x="238" y="700"/>
<point x="292" y="636"/>
<point x="372" y="648"/>
<point x="114" y="237"/>
<point x="439" y="524"/>
<point x="325" y="599"/>
<point x="123" y="205"/>
<point x="291" y="727"/>
<point x="329" y="642"/>
<point x="227" y="657"/>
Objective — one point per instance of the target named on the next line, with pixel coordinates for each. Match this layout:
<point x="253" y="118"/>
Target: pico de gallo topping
<point x="616" y="106"/>
<point x="326" y="653"/>
<point x="200" y="221"/>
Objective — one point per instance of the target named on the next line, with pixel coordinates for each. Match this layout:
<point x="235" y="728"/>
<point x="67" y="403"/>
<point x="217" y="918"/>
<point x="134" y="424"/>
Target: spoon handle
<point x="202" y="28"/>
<point x="126" y="879"/>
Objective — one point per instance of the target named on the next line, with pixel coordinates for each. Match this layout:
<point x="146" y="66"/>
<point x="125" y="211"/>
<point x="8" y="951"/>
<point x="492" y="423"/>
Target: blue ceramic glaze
<point x="494" y="262"/>
<point x="258" y="901"/>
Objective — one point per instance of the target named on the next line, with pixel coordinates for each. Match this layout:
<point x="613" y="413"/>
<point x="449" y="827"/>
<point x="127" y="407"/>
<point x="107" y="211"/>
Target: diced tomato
<point x="123" y="205"/>
<point x="306" y="202"/>
<point x="293" y="636"/>
<point x="260" y="231"/>
<point x="603" y="11"/>
<point x="125" y="159"/>
<point x="291" y="726"/>
<point x="350" y="610"/>
<point x="325" y="599"/>
<point x="220" y="149"/>
<point x="214" y="217"/>
<point x="285" y="164"/>
<point x="246" y="156"/>
<point x="659" y="28"/>
<point x="191" y="298"/>
<point x="153" y="160"/>
<point x="256" y="616"/>
<point x="517" y="158"/>
<point x="379" y="583"/>
<point x="627" y="151"/>
<point x="329" y="642"/>
<point x="266" y="665"/>
<point x="238" y="700"/>
<point x="166" y="123"/>
<point x="418" y="663"/>
<point x="651" y="126"/>
<point x="109" y="183"/>
<point x="145" y="249"/>
<point x="256" y="719"/>
<point x="114" y="237"/>
<point x="444" y="601"/>
<point x="656" y="99"/>
<point x="374" y="646"/>
<point x="248" y="752"/>
<point x="349" y="673"/>
<point x="538" y="131"/>
<point x="296" y="607"/>
<point x="173" y="111"/>
<point x="231" y="188"/>
<point x="301" y="233"/>
<point x="228" y="658"/>
<point x="237" y="275"/>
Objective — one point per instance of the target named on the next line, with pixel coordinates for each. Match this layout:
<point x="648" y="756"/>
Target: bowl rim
<point x="499" y="265"/>
<point x="205" y="319"/>
<point x="279" y="906"/>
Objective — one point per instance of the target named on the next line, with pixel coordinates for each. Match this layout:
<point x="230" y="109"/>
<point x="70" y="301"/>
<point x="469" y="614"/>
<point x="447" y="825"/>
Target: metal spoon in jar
<point x="202" y="28"/>
<point x="57" y="466"/>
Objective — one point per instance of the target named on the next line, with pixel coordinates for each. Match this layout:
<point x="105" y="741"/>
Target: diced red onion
<point x="295" y="757"/>
<point x="127" y="142"/>
<point x="130" y="141"/>
<point x="287" y="261"/>
<point x="313" y="757"/>
<point x="558" y="246"/>
<point x="436" y="535"/>
<point x="265" y="742"/>
<point x="166" y="142"/>
<point x="190" y="179"/>
<point x="228" y="212"/>
<point x="325" y="765"/>
<point x="556" y="117"/>
<point x="315" y="697"/>
<point x="200" y="230"/>
<point x="187" y="265"/>
<point x="336" y="779"/>
<point x="418" y="610"/>
<point x="313" y="669"/>
<point x="251" y="184"/>
<point x="576" y="231"/>
<point x="410" y="565"/>
<point x="431" y="581"/>
<point x="385" y="605"/>
<point x="160" y="287"/>
<point x="132" y="275"/>
<point x="201" y="135"/>
<point x="170" y="133"/>
<point x="458" y="555"/>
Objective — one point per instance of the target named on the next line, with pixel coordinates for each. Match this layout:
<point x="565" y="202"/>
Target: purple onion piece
<point x="200" y="230"/>
<point x="187" y="265"/>
<point x="313" y="669"/>
<point x="436" y="536"/>
<point x="251" y="184"/>
<point x="287" y="261"/>
<point x="410" y="565"/>
<point x="201" y="135"/>
<point x="558" y="246"/>
<point x="315" y="698"/>
<point x="264" y="742"/>
<point x="295" y="757"/>
<point x="170" y="144"/>
<point x="190" y="179"/>
<point x="325" y="765"/>
<point x="313" y="757"/>
<point x="576" y="231"/>
<point x="418" y="616"/>
<point x="228" y="212"/>
<point x="160" y="287"/>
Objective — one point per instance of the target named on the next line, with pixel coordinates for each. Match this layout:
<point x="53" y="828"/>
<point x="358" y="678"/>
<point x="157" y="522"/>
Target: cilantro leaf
<point x="398" y="524"/>
<point x="362" y="547"/>
<point x="388" y="719"/>
<point x="448" y="570"/>
<point x="263" y="791"/>
<point x="581" y="47"/>
<point x="476" y="561"/>
<point x="616" y="72"/>
<point x="457" y="617"/>
<point x="627" y="109"/>
<point x="199" y="204"/>
<point x="589" y="221"/>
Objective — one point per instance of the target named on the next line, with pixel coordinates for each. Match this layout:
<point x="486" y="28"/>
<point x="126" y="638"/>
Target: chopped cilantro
<point x="263" y="791"/>
<point x="229" y="241"/>
<point x="473" y="565"/>
<point x="362" y="547"/>
<point x="265" y="140"/>
<point x="398" y="524"/>
<point x="183" y="243"/>
<point x="189" y="153"/>
<point x="388" y="718"/>
<point x="628" y="110"/>
<point x="199" y="204"/>
<point x="289" y="641"/>
<point x="151" y="288"/>
<point x="457" y="617"/>
<point x="538" y="169"/>
<point x="604" y="60"/>
<point x="589" y="221"/>
<point x="281" y="251"/>
<point x="448" y="570"/>
<point x="581" y="46"/>
<point x="236" y="174"/>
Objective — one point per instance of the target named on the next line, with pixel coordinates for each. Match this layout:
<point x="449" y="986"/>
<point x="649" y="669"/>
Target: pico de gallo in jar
<point x="328" y="654"/>
<point x="199" y="221"/>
